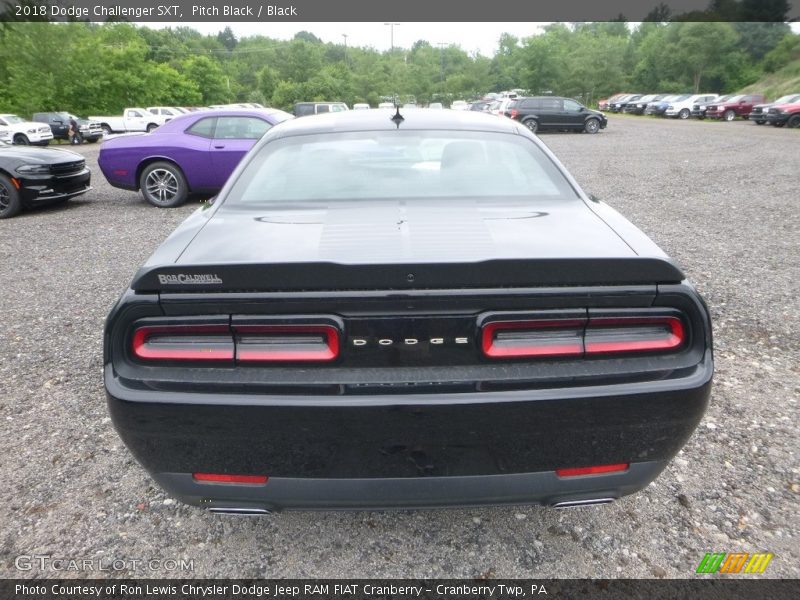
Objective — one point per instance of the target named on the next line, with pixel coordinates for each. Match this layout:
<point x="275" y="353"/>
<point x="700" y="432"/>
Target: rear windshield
<point x="378" y="165"/>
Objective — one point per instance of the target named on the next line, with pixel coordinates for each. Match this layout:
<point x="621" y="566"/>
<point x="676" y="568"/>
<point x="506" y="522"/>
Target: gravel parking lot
<point x="721" y="198"/>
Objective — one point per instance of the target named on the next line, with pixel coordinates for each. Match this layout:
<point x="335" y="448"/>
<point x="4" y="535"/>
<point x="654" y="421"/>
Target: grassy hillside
<point x="781" y="82"/>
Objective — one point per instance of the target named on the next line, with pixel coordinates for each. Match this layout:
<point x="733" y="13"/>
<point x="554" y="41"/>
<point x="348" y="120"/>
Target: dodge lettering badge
<point x="386" y="310"/>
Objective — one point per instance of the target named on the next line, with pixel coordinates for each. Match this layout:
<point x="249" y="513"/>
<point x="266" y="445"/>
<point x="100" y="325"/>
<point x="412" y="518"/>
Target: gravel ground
<point x="719" y="197"/>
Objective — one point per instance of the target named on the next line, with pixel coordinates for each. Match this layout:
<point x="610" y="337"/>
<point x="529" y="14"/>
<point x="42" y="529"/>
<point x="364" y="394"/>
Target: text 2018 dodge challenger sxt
<point x="416" y="311"/>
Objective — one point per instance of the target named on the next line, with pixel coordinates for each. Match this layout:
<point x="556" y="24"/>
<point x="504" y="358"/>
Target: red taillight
<point x="183" y="342"/>
<point x="581" y="337"/>
<point x="303" y="342"/>
<point x="514" y="113"/>
<point x="224" y="478"/>
<point x="609" y="335"/>
<point x="541" y="338"/>
<point x="596" y="470"/>
<point x="279" y="343"/>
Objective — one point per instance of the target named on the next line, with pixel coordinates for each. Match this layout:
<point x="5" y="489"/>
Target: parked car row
<point x="754" y="107"/>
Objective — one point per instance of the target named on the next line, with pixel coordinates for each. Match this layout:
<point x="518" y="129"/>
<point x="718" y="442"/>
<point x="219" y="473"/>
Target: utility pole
<point x="346" y="63"/>
<point x="391" y="33"/>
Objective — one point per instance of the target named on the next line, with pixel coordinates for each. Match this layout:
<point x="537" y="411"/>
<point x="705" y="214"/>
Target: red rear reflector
<point x="121" y="172"/>
<point x="278" y="343"/>
<point x="514" y="113"/>
<point x="183" y="342"/>
<point x="597" y="470"/>
<point x="223" y="478"/>
<point x="513" y="339"/>
<point x="609" y="335"/>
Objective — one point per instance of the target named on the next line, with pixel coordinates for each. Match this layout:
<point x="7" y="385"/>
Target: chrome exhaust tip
<point x="578" y="503"/>
<point x="240" y="511"/>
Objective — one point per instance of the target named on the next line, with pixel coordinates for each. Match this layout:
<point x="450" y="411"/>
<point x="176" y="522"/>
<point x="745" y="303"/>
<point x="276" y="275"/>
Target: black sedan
<point x="36" y="176"/>
<point x="405" y="310"/>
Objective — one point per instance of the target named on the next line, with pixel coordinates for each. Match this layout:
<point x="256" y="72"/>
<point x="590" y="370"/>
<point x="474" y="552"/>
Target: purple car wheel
<point x="163" y="185"/>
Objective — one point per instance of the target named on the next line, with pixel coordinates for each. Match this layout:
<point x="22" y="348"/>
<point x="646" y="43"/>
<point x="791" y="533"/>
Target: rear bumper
<point x="417" y="492"/>
<point x="410" y="450"/>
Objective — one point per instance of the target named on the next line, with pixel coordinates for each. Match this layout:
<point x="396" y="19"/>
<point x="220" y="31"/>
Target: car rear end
<point x="334" y="399"/>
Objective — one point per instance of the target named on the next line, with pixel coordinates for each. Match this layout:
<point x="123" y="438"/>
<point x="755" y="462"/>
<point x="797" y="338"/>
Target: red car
<point x="784" y="114"/>
<point x="737" y="106"/>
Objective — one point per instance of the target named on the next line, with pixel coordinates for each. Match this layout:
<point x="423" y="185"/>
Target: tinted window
<point x="375" y="165"/>
<point x="551" y="104"/>
<point x="203" y="128"/>
<point x="571" y="106"/>
<point x="240" y="128"/>
<point x="529" y="103"/>
<point x="303" y="109"/>
<point x="323" y="108"/>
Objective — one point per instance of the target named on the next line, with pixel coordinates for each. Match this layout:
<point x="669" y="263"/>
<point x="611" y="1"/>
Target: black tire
<point x="532" y="124"/>
<point x="21" y="140"/>
<point x="760" y="122"/>
<point x="164" y="185"/>
<point x="106" y="130"/>
<point x="777" y="124"/>
<point x="794" y="121"/>
<point x="685" y="113"/>
<point x="591" y="126"/>
<point x="10" y="202"/>
<point x="729" y="115"/>
<point x="151" y="127"/>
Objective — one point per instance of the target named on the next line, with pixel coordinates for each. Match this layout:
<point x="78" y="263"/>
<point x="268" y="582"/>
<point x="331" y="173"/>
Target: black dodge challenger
<point x="405" y="310"/>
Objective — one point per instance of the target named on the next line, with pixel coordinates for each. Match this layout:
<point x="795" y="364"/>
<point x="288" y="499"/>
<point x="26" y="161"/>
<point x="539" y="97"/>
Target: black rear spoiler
<point x="497" y="273"/>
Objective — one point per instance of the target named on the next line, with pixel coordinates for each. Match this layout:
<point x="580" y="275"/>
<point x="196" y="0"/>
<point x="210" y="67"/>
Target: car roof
<point x="177" y="123"/>
<point x="414" y="119"/>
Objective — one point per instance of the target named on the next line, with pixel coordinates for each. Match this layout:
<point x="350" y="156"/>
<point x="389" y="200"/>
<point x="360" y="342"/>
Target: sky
<point x="472" y="37"/>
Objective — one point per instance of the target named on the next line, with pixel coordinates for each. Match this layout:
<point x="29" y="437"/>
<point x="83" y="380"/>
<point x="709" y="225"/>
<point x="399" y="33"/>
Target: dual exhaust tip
<point x="249" y="511"/>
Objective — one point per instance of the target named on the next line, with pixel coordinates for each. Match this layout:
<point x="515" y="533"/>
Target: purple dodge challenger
<point x="191" y="154"/>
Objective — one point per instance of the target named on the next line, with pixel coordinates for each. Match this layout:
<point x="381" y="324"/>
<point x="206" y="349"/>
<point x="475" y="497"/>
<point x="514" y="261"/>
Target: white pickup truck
<point x="25" y="132"/>
<point x="132" y="119"/>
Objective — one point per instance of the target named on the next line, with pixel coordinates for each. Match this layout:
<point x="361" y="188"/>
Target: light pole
<point x="391" y="33"/>
<point x="346" y="64"/>
<point x="441" y="68"/>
